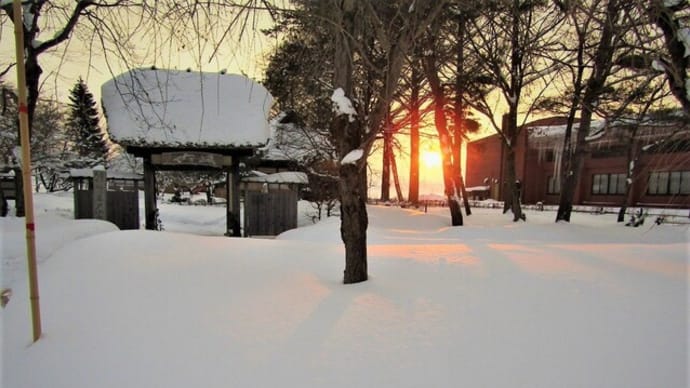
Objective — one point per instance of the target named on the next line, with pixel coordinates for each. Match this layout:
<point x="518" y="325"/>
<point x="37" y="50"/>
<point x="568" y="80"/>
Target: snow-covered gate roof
<point x="153" y="108"/>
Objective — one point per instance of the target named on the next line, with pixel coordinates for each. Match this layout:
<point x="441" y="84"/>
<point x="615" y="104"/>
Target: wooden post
<point x="233" y="204"/>
<point x="150" y="194"/>
<point x="26" y="171"/>
<point x="99" y="194"/>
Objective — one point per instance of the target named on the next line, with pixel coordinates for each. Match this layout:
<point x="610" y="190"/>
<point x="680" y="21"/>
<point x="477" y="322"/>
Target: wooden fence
<point x="269" y="214"/>
<point x="122" y="207"/>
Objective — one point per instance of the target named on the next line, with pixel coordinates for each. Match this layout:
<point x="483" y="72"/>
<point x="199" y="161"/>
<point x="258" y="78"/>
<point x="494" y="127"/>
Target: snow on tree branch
<point x="352" y="157"/>
<point x="342" y="105"/>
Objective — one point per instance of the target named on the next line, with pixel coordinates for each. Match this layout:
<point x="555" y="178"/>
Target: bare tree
<point x="393" y="27"/>
<point x="607" y="71"/>
<point x="606" y="18"/>
<point x="515" y="37"/>
<point x="453" y="78"/>
<point x="415" y="119"/>
<point x="46" y="25"/>
<point x="451" y="162"/>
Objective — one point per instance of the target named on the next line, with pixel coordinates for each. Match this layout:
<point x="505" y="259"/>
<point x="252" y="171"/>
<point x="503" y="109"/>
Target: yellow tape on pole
<point x="26" y="171"/>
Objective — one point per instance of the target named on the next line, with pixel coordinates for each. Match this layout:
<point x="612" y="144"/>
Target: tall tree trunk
<point x="593" y="89"/>
<point x="348" y="132"/>
<point x="354" y="222"/>
<point x="572" y="178"/>
<point x="627" y="200"/>
<point x="386" y="170"/>
<point x="460" y="110"/>
<point x="465" y="197"/>
<point x="396" y="178"/>
<point x="451" y="188"/>
<point x="629" y="176"/>
<point x="413" y="190"/>
<point x="513" y="189"/>
<point x="565" y="203"/>
<point x="516" y="85"/>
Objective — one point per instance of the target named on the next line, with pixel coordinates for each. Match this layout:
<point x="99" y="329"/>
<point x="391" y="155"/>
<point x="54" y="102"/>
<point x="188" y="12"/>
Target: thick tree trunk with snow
<point x="356" y="130"/>
<point x="354" y="223"/>
<point x="347" y="131"/>
<point x="353" y="195"/>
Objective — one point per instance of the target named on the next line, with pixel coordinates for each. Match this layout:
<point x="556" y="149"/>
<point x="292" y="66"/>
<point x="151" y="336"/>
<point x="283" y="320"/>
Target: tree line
<point x="63" y="136"/>
<point x="507" y="60"/>
<point x="396" y="61"/>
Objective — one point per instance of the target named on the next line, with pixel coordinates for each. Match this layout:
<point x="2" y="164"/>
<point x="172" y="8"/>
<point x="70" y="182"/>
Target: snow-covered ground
<point x="490" y="304"/>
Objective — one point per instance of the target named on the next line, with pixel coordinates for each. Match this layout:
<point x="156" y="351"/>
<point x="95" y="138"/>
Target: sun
<point x="431" y="159"/>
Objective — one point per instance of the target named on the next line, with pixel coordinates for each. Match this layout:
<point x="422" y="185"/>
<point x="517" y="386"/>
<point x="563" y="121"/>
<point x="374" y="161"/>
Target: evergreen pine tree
<point x="88" y="138"/>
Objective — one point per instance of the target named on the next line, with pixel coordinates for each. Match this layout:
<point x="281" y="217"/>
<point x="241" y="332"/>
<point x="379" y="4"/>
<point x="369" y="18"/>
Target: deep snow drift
<point x="489" y="304"/>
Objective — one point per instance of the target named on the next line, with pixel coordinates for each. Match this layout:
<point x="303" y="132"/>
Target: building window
<point x="669" y="183"/>
<point x="617" y="183"/>
<point x="608" y="184"/>
<point x="554" y="186"/>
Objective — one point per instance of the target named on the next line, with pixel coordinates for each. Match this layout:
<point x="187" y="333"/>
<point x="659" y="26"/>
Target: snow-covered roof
<point x="110" y="174"/>
<point x="170" y="108"/>
<point x="280" y="177"/>
<point x="559" y="130"/>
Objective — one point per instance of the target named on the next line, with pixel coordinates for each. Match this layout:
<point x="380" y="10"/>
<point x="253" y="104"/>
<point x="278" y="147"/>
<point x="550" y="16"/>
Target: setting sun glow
<point x="431" y="159"/>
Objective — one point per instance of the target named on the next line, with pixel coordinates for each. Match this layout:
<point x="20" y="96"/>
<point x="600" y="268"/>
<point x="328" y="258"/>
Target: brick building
<point x="661" y="173"/>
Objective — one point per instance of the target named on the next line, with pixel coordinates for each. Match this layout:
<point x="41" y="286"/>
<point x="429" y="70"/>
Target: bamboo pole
<point x="26" y="171"/>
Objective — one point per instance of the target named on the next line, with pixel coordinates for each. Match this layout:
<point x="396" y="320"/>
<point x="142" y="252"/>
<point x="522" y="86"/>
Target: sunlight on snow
<point x="436" y="253"/>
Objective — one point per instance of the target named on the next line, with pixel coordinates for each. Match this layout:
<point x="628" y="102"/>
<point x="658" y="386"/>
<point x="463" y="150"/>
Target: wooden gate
<point x="269" y="214"/>
<point x="122" y="207"/>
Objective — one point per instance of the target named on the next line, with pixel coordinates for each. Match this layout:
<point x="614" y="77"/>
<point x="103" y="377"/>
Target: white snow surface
<point x="170" y="108"/>
<point x="353" y="156"/>
<point x="490" y="304"/>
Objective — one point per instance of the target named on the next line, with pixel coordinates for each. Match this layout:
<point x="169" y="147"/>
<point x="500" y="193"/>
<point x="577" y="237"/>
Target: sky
<point x="64" y="65"/>
<point x="494" y="303"/>
<point x="80" y="56"/>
